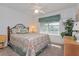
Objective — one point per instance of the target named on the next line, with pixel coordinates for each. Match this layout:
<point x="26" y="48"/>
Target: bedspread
<point x="30" y="43"/>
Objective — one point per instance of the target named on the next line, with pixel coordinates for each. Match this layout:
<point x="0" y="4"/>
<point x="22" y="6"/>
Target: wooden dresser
<point x="71" y="47"/>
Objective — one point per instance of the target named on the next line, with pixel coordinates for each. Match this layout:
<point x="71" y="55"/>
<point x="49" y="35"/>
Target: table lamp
<point x="32" y="28"/>
<point x="76" y="30"/>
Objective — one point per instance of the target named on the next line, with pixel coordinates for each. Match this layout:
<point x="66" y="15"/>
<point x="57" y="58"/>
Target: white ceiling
<point x="27" y="8"/>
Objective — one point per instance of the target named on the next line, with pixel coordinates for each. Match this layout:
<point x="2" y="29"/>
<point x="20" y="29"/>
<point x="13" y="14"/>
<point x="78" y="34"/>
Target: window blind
<point x="54" y="18"/>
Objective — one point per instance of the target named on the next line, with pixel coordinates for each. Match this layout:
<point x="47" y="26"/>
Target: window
<point x="50" y="28"/>
<point x="44" y="27"/>
<point x="53" y="28"/>
<point x="50" y="25"/>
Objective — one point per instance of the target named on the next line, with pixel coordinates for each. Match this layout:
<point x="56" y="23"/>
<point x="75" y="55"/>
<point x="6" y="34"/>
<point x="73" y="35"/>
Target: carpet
<point x="51" y="50"/>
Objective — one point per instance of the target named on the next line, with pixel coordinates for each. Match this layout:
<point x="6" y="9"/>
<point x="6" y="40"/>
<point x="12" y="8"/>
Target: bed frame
<point x="16" y="49"/>
<point x="8" y="33"/>
<point x="9" y="30"/>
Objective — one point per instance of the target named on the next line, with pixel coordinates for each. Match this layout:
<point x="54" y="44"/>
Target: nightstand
<point x="3" y="40"/>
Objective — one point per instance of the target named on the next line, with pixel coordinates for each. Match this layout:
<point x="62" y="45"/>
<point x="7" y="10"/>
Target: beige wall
<point x="65" y="14"/>
<point x="10" y="17"/>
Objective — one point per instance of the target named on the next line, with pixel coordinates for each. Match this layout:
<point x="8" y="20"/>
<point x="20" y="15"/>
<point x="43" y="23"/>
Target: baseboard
<point x="57" y="43"/>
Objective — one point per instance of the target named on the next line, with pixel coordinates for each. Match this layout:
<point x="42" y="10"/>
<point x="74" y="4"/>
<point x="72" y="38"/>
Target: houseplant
<point x="68" y="28"/>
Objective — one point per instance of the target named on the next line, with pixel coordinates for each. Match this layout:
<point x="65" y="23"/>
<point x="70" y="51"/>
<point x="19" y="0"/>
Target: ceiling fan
<point x="38" y="9"/>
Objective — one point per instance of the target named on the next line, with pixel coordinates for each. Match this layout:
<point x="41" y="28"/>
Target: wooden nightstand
<point x="3" y="40"/>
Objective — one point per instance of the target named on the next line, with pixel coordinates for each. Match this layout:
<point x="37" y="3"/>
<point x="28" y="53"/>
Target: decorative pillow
<point x="14" y="30"/>
<point x="22" y="31"/>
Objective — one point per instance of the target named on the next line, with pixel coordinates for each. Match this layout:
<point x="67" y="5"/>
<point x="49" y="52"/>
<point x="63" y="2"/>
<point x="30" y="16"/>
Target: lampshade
<point x="32" y="28"/>
<point x="76" y="26"/>
<point x="76" y="30"/>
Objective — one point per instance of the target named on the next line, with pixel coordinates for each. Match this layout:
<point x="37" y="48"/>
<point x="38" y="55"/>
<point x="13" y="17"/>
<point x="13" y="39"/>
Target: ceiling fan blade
<point x="41" y="11"/>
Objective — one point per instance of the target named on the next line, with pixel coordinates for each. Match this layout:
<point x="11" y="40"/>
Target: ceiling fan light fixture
<point x="36" y="11"/>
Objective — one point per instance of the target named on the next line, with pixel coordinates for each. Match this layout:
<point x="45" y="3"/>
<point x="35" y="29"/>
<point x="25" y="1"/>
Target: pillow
<point x="22" y="31"/>
<point x="14" y="31"/>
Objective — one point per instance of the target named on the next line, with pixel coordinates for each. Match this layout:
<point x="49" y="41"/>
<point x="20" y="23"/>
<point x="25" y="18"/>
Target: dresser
<point x="71" y="47"/>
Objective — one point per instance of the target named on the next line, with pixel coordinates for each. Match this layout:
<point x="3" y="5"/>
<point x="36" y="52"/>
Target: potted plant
<point x="68" y="28"/>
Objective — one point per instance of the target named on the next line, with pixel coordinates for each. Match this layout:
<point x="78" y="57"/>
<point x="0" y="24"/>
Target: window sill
<point x="50" y="34"/>
<point x="54" y="34"/>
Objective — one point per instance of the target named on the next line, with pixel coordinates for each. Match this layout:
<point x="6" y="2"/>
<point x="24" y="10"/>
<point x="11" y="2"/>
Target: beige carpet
<point x="49" y="51"/>
<point x="54" y="50"/>
<point x="7" y="52"/>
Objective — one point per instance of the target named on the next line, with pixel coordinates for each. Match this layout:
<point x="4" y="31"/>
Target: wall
<point x="77" y="12"/>
<point x="10" y="17"/>
<point x="65" y="14"/>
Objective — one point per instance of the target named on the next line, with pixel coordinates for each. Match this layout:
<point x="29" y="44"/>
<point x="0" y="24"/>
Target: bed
<point x="25" y="43"/>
